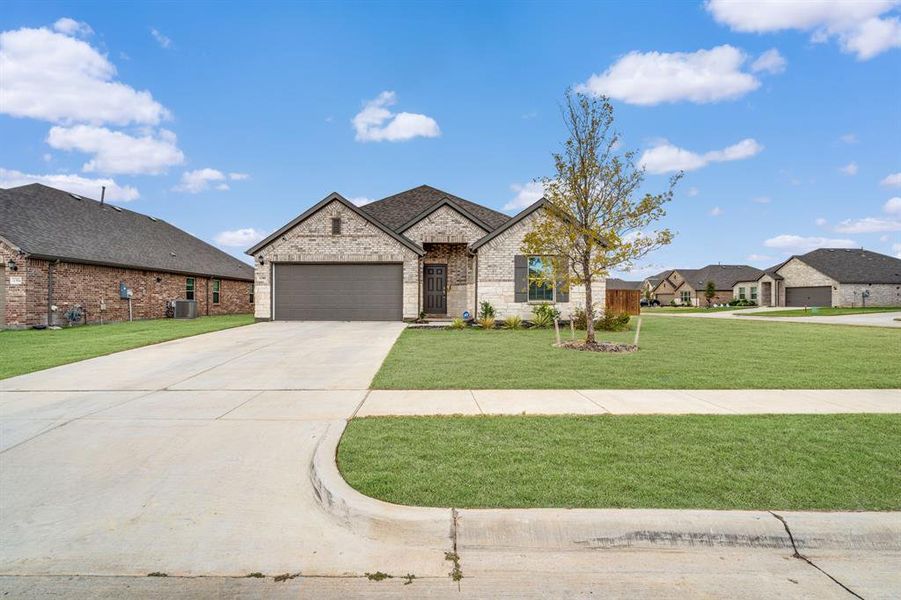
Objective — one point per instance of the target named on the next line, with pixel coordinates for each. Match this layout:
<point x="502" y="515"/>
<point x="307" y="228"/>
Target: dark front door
<point x="435" y="289"/>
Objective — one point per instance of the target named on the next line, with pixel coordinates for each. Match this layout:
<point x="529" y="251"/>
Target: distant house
<point x="614" y="283"/>
<point x="688" y="286"/>
<point x="827" y="277"/>
<point x="60" y="251"/>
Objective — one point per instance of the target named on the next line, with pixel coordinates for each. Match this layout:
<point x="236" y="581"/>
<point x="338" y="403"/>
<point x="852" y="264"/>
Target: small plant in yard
<point x="542" y="320"/>
<point x="458" y="323"/>
<point x="486" y="310"/>
<point x="551" y="311"/>
<point x="513" y="322"/>
<point x="710" y="293"/>
<point x="611" y="321"/>
<point x="485" y="322"/>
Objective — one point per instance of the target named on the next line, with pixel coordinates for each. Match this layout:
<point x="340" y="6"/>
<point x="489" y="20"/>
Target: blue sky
<point x="787" y="121"/>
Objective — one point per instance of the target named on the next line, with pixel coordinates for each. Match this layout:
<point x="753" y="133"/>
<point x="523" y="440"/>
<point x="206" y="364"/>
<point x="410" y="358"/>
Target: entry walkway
<point x="625" y="402"/>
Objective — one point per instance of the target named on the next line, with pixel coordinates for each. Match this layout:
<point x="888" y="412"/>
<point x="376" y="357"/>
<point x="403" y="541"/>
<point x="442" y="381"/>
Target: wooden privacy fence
<point x="623" y="301"/>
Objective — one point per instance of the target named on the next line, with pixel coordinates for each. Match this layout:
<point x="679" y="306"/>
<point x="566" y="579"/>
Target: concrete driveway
<point x="880" y="319"/>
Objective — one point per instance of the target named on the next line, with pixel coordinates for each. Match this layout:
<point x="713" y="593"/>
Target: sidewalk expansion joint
<point x="456" y="573"/>
<point x="800" y="556"/>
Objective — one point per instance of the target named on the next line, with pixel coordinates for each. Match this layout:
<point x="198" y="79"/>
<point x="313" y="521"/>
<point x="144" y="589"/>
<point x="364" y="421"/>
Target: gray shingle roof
<point x="614" y="283"/>
<point x="723" y="276"/>
<point x="51" y="223"/>
<point x="853" y="265"/>
<point x="397" y="210"/>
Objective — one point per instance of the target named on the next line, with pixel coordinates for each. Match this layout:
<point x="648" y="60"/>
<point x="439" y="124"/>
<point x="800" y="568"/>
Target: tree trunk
<point x="589" y="303"/>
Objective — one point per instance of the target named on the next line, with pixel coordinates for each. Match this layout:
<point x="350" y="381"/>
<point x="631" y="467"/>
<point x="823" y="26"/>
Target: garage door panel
<point x="339" y="292"/>
<point x="809" y="296"/>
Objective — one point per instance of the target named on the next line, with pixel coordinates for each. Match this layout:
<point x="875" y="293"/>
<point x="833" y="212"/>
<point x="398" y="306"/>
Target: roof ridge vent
<point x="154" y="219"/>
<point x="76" y="196"/>
<point x="116" y="208"/>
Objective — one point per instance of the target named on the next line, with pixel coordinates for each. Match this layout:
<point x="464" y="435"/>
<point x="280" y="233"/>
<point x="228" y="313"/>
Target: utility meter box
<point x="124" y="292"/>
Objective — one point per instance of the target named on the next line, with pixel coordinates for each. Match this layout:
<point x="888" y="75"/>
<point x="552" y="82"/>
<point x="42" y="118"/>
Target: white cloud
<point x="376" y="123"/>
<point x="238" y="176"/>
<point x="223" y="187"/>
<point x="893" y="206"/>
<point x="820" y="222"/>
<point x="769" y="62"/>
<point x="526" y="195"/>
<point x="716" y="211"/>
<point x="361" y="200"/>
<point x="71" y="183"/>
<point x="116" y="152"/>
<point x="849" y="138"/>
<point x="761" y="200"/>
<point x="797" y="243"/>
<point x="55" y="77"/>
<point x="161" y="39"/>
<point x="240" y="237"/>
<point x="759" y="258"/>
<point x="667" y="158"/>
<point x="893" y="180"/>
<point x="693" y="191"/>
<point x="849" y="169"/>
<point x="868" y="225"/>
<point x="68" y="26"/>
<point x="194" y="182"/>
<point x="654" y="77"/>
<point x="856" y="24"/>
<point x="897" y="250"/>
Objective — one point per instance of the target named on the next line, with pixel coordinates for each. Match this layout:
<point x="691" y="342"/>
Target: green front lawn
<point x="785" y="462"/>
<point x="650" y="310"/>
<point x="674" y="353"/>
<point x="824" y="312"/>
<point x="30" y="350"/>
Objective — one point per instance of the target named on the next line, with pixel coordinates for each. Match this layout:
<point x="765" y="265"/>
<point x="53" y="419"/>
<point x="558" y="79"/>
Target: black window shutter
<point x="563" y="287"/>
<point x="520" y="278"/>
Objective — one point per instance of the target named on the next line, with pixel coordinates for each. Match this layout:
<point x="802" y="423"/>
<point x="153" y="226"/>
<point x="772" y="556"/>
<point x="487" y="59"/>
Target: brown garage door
<point x="808" y="296"/>
<point x="338" y="292"/>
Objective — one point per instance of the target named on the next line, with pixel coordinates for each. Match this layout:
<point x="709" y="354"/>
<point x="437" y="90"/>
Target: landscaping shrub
<point x="486" y="311"/>
<point x="458" y="323"/>
<point x="513" y="322"/>
<point x="608" y="321"/>
<point x="485" y="322"/>
<point x="542" y="319"/>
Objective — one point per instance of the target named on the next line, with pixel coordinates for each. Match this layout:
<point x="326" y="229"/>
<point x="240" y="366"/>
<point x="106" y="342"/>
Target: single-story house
<point x="689" y="286"/>
<point x="59" y="251"/>
<point x="419" y="251"/>
<point x="828" y="277"/>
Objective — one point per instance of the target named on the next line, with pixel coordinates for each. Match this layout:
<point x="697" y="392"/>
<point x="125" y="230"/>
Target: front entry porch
<point x="447" y="280"/>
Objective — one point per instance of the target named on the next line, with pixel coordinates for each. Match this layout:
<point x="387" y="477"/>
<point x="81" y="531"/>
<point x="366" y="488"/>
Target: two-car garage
<point x="809" y="296"/>
<point x="337" y="291"/>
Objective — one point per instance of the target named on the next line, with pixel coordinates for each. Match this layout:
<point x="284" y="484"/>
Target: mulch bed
<point x="597" y="346"/>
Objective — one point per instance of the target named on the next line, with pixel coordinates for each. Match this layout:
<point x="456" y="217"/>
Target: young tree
<point x="710" y="292"/>
<point x="595" y="218"/>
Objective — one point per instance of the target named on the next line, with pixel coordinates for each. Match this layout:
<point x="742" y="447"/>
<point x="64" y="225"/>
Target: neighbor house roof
<point x="614" y="283"/>
<point x="722" y="276"/>
<point x="398" y="210"/>
<point x="846" y="265"/>
<point x="53" y="224"/>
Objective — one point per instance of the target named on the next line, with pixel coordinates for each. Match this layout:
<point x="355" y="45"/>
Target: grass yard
<point x="824" y="311"/>
<point x="687" y="310"/>
<point x="784" y="462"/>
<point x="674" y="353"/>
<point x="30" y="350"/>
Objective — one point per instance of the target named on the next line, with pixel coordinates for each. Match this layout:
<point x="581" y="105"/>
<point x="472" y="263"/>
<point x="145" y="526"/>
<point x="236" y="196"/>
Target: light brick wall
<point x="496" y="280"/>
<point x="359" y="241"/>
<point x="799" y="274"/>
<point x="881" y="294"/>
<point x="445" y="225"/>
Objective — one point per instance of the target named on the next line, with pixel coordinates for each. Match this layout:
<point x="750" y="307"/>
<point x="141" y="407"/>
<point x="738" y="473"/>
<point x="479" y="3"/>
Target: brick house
<point x="689" y="286"/>
<point x="422" y="250"/>
<point x="60" y="250"/>
<point x="828" y="277"/>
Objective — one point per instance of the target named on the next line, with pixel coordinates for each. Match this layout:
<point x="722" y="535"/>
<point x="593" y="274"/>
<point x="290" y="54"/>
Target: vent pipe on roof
<point x="102" y="194"/>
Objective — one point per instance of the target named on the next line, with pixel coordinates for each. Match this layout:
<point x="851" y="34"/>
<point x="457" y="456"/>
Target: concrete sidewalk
<point x="881" y="319"/>
<point x="624" y="402"/>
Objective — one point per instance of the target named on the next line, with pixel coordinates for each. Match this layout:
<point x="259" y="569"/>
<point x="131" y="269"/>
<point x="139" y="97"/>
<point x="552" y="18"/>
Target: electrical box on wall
<point x="124" y="292"/>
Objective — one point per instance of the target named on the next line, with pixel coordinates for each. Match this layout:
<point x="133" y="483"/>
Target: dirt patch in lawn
<point x="597" y="346"/>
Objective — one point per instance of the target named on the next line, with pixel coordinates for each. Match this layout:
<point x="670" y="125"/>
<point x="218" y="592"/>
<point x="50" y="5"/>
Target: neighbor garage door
<point x="808" y="296"/>
<point x="338" y="292"/>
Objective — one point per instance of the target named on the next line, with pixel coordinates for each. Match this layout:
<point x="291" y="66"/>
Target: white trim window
<point x="685" y="297"/>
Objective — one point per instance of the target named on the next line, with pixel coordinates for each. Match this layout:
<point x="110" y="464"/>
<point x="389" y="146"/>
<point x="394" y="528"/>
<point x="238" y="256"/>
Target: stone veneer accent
<point x="496" y="283"/>
<point x="313" y="241"/>
<point x="445" y="235"/>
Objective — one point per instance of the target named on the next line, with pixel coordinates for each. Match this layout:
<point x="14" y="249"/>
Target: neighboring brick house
<point x="689" y="286"/>
<point x="829" y="277"/>
<point x="419" y="251"/>
<point x="60" y="250"/>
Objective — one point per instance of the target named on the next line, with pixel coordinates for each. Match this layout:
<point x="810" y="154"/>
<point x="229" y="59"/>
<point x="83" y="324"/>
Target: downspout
<point x="475" y="307"/>
<point x="49" y="293"/>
